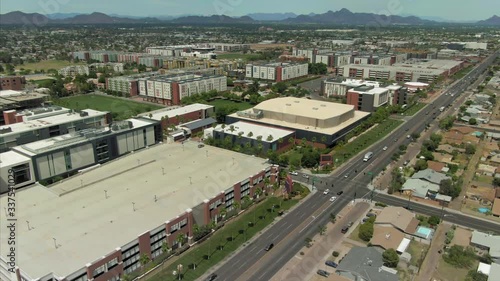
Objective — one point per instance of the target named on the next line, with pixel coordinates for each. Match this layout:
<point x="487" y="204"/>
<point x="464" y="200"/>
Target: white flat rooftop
<point x="172" y="112"/>
<point x="257" y="130"/>
<point x="10" y="158"/>
<point x="49" y="121"/>
<point x="87" y="226"/>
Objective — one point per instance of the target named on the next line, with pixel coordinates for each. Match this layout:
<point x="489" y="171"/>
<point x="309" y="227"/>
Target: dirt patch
<point x="486" y="193"/>
<point x="462" y="237"/>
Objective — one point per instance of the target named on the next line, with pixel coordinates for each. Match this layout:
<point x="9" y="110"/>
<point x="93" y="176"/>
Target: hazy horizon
<point x="465" y="11"/>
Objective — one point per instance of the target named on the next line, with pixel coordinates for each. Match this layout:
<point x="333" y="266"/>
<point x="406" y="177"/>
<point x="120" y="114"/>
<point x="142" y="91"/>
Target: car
<point x="406" y="162"/>
<point x="326" y="191"/>
<point x="408" y="208"/>
<point x="340" y="192"/>
<point x="323" y="273"/>
<point x="211" y="277"/>
<point x="385" y="148"/>
<point x="371" y="215"/>
<point x="346" y="175"/>
<point x="269" y="247"/>
<point x="407" y="129"/>
<point x="350" y="224"/>
<point x="408" y="136"/>
<point x="333" y="199"/>
<point x="364" y="220"/>
<point x="396" y="139"/>
<point x="294" y="173"/>
<point x="331" y="263"/>
<point x="305" y="176"/>
<point x="344" y="229"/>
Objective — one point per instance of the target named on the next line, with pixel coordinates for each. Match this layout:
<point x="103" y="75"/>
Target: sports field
<point x="47" y="64"/>
<point x="120" y="108"/>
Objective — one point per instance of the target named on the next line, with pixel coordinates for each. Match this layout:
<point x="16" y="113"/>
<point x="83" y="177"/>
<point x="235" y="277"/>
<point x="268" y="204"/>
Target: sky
<point x="457" y="10"/>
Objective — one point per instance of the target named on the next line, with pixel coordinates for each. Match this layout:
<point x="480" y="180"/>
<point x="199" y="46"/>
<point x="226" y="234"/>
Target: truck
<point x="368" y="155"/>
<point x="441" y="108"/>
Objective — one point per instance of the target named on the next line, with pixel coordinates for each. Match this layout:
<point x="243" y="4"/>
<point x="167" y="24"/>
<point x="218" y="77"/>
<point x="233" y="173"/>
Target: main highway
<point x="289" y="232"/>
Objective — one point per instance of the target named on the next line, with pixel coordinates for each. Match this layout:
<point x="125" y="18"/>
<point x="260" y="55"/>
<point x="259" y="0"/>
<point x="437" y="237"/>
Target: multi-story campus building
<point x="16" y="100"/>
<point x="74" y="70"/>
<point x="368" y="98"/>
<point x="339" y="86"/>
<point x="316" y="121"/>
<point x="278" y="72"/>
<point x="183" y="114"/>
<point x="32" y="125"/>
<point x="15" y="83"/>
<point x="426" y="71"/>
<point x="66" y="154"/>
<point x="171" y="89"/>
<point x="92" y="226"/>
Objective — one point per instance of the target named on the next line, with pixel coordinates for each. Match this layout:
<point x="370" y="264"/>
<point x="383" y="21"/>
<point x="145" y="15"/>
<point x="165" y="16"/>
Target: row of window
<point x="105" y="267"/>
<point x="130" y="252"/>
<point x="178" y="225"/>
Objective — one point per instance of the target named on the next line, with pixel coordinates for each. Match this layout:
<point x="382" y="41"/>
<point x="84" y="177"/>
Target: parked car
<point x="385" y="148"/>
<point x="406" y="162"/>
<point x="212" y="277"/>
<point x="305" y="176"/>
<point x="200" y="145"/>
<point x="371" y="215"/>
<point x="350" y="224"/>
<point x="323" y="273"/>
<point x="346" y="175"/>
<point x="340" y="192"/>
<point x="333" y="199"/>
<point x="344" y="229"/>
<point x="331" y="263"/>
<point x="269" y="247"/>
<point x="326" y="191"/>
<point x="294" y="173"/>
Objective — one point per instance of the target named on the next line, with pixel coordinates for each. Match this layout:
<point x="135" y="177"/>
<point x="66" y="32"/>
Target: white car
<point x="333" y="199"/>
<point x="294" y="173"/>
<point x="326" y="191"/>
<point x="385" y="148"/>
<point x="305" y="176"/>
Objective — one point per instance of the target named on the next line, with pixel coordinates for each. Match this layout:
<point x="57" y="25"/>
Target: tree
<point x="164" y="246"/>
<point x="472" y="121"/>
<point x="333" y="217"/>
<point x="434" y="220"/>
<point x="420" y="165"/>
<point x="366" y="231"/>
<point x="250" y="134"/>
<point x="144" y="259"/>
<point x="436" y="138"/>
<point x="447" y="187"/>
<point x="390" y="258"/>
<point x="270" y="138"/>
<point x="236" y="205"/>
<point x="475" y="275"/>
<point x="470" y="149"/>
<point x="322" y="230"/>
<point x="496" y="181"/>
<point x="460" y="257"/>
<point x="258" y="190"/>
<point x="180" y="239"/>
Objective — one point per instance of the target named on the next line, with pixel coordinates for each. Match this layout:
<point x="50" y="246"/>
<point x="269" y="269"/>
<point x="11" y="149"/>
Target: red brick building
<point x="15" y="83"/>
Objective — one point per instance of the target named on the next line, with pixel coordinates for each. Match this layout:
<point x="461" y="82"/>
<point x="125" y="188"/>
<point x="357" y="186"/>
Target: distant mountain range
<point x="341" y="17"/>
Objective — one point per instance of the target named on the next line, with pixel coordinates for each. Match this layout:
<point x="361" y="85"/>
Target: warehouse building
<point x="277" y="72"/>
<point x="319" y="122"/>
<point x="171" y="89"/>
<point x="66" y="154"/>
<point x="93" y="227"/>
<point x="32" y="125"/>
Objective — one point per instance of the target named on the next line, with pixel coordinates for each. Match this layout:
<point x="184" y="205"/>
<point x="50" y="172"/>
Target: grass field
<point x="47" y="64"/>
<point x="234" y="56"/>
<point x="42" y="81"/>
<point x="224" y="241"/>
<point x="240" y="105"/>
<point x="365" y="140"/>
<point x="120" y="108"/>
<point x="414" y="109"/>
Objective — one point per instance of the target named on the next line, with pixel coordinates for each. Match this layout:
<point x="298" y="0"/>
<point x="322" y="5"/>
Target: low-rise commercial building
<point x="279" y="71"/>
<point x="32" y="125"/>
<point x="64" y="155"/>
<point x="315" y="121"/>
<point x="368" y="98"/>
<point x="93" y="227"/>
<point x="16" y="100"/>
<point x="180" y="115"/>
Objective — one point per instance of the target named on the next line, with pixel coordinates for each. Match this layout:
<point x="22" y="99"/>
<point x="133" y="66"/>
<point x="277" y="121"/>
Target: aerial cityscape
<point x="249" y="140"/>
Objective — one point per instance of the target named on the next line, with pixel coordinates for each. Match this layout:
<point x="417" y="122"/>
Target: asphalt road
<point x="289" y="233"/>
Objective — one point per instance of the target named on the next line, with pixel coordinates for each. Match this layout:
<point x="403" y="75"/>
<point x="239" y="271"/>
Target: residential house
<point x="449" y="148"/>
<point x="488" y="242"/>
<point x="365" y="264"/>
<point x="386" y="237"/>
<point x="443" y="157"/>
<point x="436" y="166"/>
<point x="399" y="218"/>
<point x="486" y="170"/>
<point x="495" y="210"/>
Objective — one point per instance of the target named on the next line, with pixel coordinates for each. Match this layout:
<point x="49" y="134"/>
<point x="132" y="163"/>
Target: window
<point x="21" y="173"/>
<point x="112" y="263"/>
<point x="178" y="225"/>
<point x="82" y="277"/>
<point x="99" y="271"/>
<point x="215" y="204"/>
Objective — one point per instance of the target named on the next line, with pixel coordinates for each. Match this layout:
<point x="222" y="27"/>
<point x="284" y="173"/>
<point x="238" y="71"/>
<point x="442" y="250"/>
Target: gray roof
<point x="430" y="176"/>
<point x="365" y="263"/>
<point x="494" y="272"/>
<point x="487" y="240"/>
<point x="199" y="123"/>
<point x="420" y="187"/>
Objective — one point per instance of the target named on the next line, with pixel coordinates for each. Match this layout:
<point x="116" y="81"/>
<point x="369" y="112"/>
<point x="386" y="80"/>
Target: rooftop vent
<point x="288" y="104"/>
<point x="315" y="108"/>
<point x="323" y="105"/>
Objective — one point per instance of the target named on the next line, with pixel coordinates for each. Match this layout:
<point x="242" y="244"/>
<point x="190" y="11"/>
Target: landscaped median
<point x="364" y="141"/>
<point x="223" y="242"/>
<point x="410" y="111"/>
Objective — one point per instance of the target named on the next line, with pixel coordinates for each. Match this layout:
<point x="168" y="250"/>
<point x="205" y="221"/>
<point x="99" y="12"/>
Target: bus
<point x="368" y="156"/>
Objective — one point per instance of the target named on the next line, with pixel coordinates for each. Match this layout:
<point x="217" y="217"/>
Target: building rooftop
<point x="430" y="176"/>
<point x="10" y="158"/>
<point x="419" y="187"/>
<point x="52" y="118"/>
<point x="174" y="111"/>
<point x="398" y="217"/>
<point x="368" y="90"/>
<point x="494" y="272"/>
<point x="487" y="240"/>
<point x="257" y="131"/>
<point x="367" y="263"/>
<point x="387" y="237"/>
<point x="193" y="125"/>
<point x="87" y="225"/>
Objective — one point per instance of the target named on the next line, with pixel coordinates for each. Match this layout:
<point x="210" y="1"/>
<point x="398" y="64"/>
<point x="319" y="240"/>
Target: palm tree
<point x="180" y="239"/>
<point x="270" y="138"/>
<point x="223" y="126"/>
<point x="322" y="230"/>
<point x="196" y="229"/>
<point x="314" y="139"/>
<point x="144" y="259"/>
<point x="231" y="128"/>
<point x="280" y="140"/>
<point x="259" y="138"/>
<point x="291" y="140"/>
<point x="164" y="247"/>
<point x="258" y="191"/>
<point x="250" y="134"/>
<point x="323" y="139"/>
<point x="236" y="205"/>
<point x="223" y="212"/>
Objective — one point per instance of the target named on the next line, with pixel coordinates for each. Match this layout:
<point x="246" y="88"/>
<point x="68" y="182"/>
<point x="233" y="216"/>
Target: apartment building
<point x="368" y="98"/>
<point x="74" y="70"/>
<point x="276" y="71"/>
<point x="15" y="83"/>
<point x="171" y="89"/>
<point x="116" y="67"/>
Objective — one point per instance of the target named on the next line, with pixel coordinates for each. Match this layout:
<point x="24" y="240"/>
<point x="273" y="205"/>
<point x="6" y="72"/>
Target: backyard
<point x="365" y="140"/>
<point x="225" y="241"/>
<point x="120" y="109"/>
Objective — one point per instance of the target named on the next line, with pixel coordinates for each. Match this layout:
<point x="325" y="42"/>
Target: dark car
<point x="408" y="208"/>
<point x="212" y="277"/>
<point x="269" y="247"/>
<point x="340" y="192"/>
<point x="323" y="273"/>
<point x="200" y="145"/>
<point x="331" y="263"/>
<point x="344" y="229"/>
<point x="370" y="215"/>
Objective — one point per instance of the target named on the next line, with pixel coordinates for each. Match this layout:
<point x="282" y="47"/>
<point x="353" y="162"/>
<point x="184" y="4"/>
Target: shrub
<point x="380" y="204"/>
<point x="335" y="254"/>
<point x="391" y="258"/>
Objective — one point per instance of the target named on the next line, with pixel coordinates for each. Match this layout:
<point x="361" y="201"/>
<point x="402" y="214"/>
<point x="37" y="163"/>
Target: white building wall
<point x="142" y="88"/>
<point x="158" y="85"/>
<point x="150" y="88"/>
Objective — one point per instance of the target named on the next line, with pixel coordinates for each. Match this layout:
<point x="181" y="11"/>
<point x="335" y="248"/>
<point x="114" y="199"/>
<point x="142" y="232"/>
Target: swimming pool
<point x="483" y="210"/>
<point x="424" y="232"/>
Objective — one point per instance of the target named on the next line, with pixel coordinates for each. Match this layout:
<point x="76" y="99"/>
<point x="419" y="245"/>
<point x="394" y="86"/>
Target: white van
<point x="368" y="156"/>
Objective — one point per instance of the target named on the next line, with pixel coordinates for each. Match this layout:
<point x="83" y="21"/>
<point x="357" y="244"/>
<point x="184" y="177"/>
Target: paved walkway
<point x="303" y="267"/>
<point x="432" y="257"/>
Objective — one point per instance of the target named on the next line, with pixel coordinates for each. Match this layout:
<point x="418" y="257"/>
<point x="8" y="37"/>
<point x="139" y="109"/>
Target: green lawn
<point x="220" y="102"/>
<point x="234" y="56"/>
<point x="230" y="237"/>
<point x="120" y="108"/>
<point x="454" y="273"/>
<point x="42" y="82"/>
<point x="365" y="140"/>
<point x="47" y="64"/>
<point x="414" y="109"/>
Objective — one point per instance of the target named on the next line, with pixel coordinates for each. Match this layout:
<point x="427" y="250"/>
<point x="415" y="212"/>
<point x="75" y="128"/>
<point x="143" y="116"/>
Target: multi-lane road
<point x="288" y="234"/>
